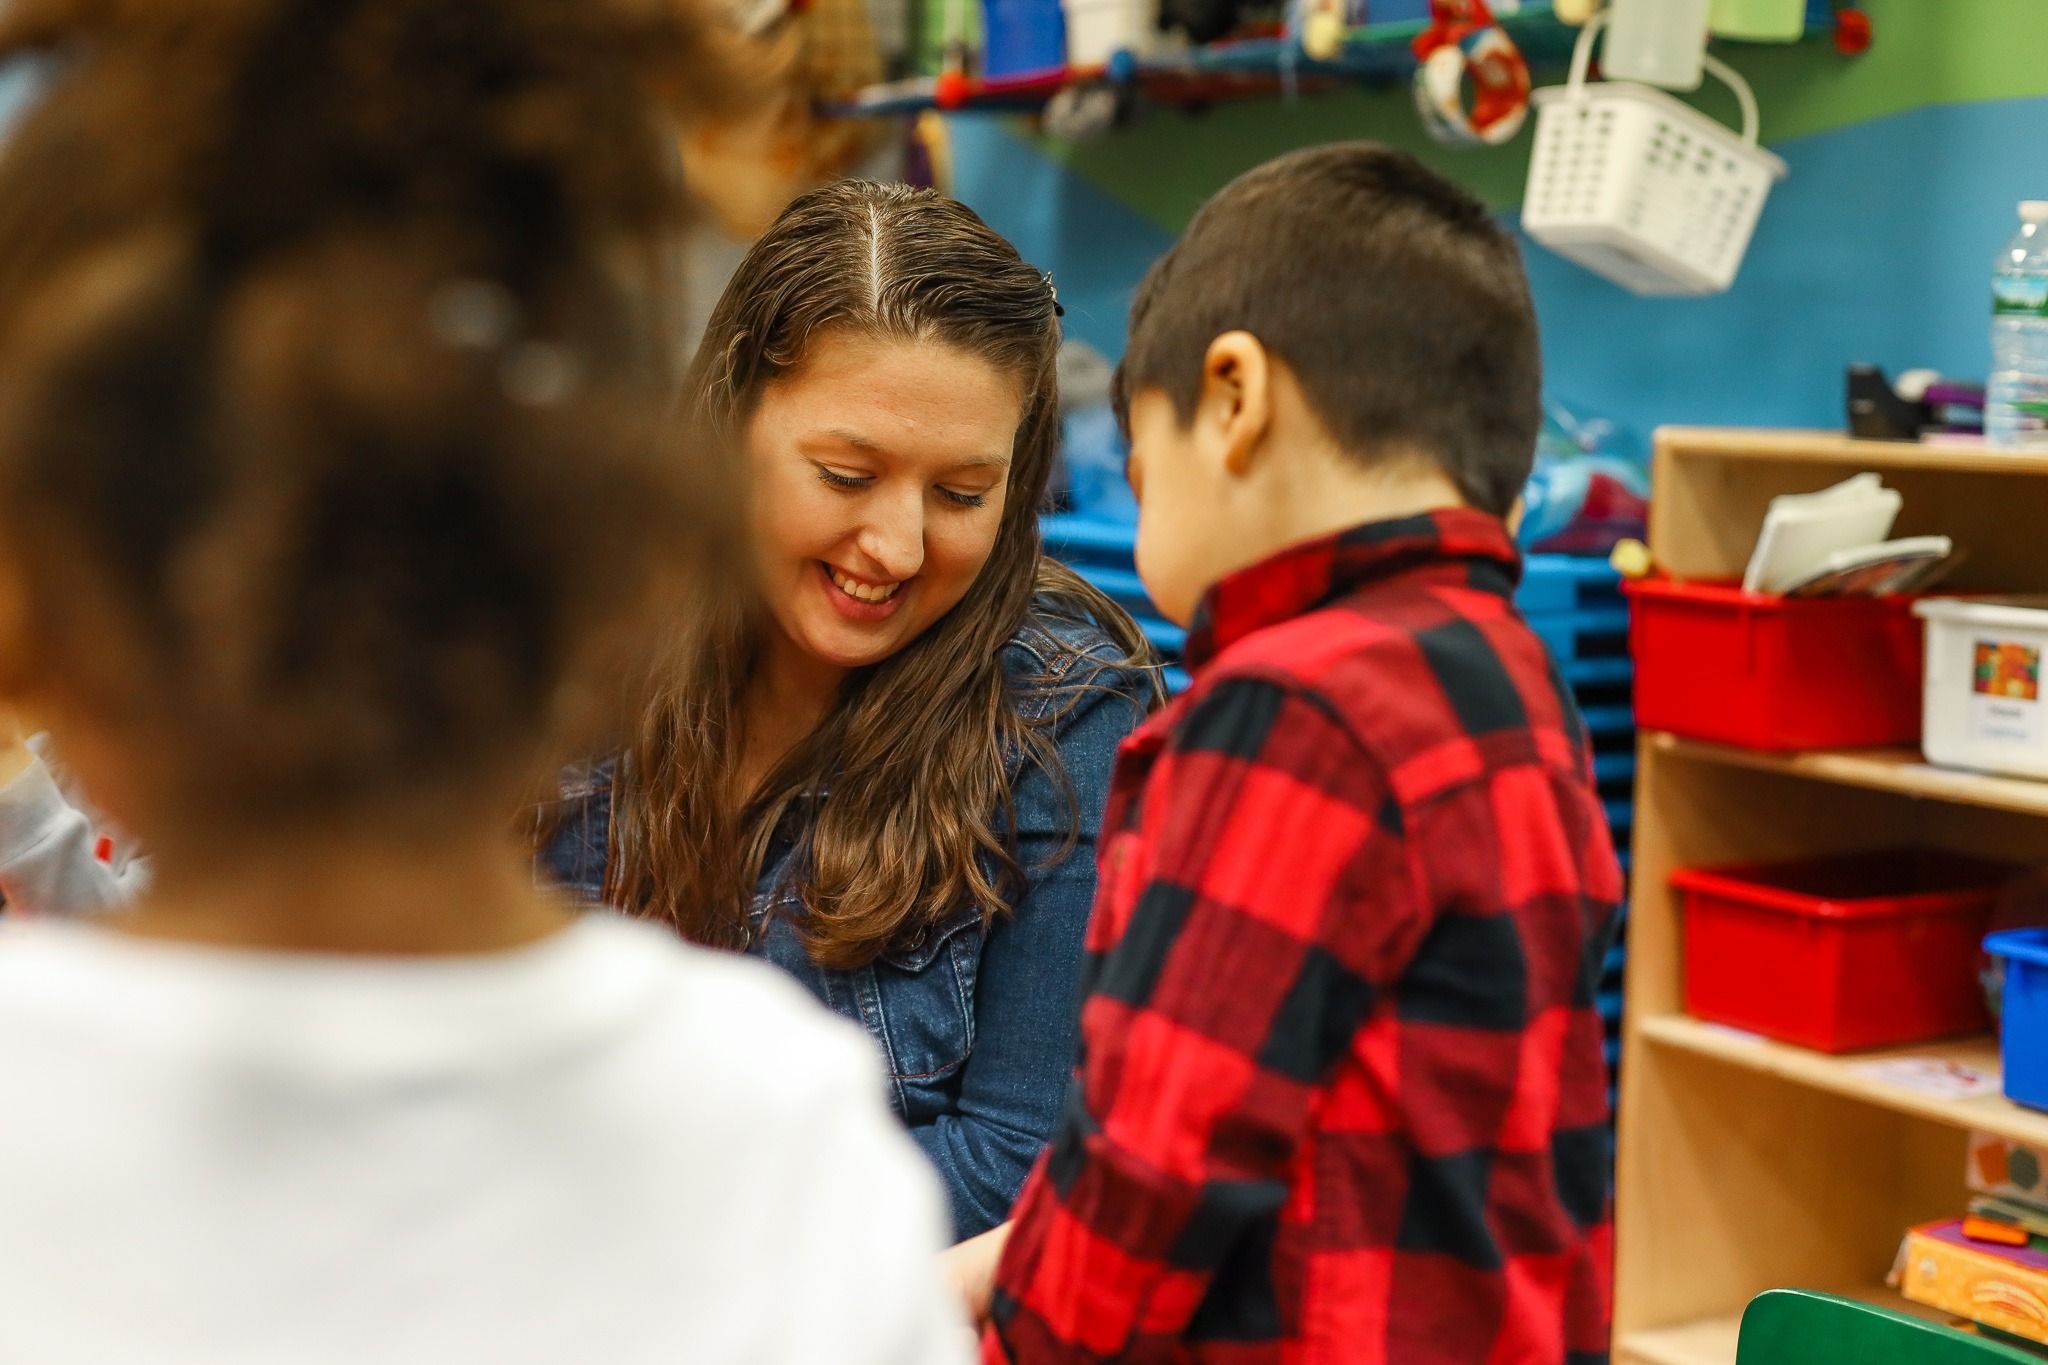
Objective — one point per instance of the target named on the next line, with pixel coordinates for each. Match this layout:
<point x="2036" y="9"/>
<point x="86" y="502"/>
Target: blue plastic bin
<point x="2023" y="1021"/>
<point x="1023" y="37"/>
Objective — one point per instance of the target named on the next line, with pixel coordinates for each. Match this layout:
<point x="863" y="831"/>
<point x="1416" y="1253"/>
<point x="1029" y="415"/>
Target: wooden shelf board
<point x="1891" y="770"/>
<point x="1833" y="447"/>
<point x="1991" y="1113"/>
<point x="1711" y="1341"/>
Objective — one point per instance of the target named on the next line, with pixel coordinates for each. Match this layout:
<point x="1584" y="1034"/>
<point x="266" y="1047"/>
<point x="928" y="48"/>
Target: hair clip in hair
<point x="1059" y="310"/>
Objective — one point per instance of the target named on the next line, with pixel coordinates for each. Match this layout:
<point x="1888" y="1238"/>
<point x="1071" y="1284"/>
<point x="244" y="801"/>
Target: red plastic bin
<point x="1768" y="672"/>
<point x="1853" y="951"/>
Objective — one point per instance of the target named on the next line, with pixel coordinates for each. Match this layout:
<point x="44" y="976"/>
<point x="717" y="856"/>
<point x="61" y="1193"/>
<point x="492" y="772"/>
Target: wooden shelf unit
<point x="1746" y="1165"/>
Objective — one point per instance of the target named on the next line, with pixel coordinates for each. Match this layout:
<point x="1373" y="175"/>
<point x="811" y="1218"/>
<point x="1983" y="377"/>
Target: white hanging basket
<point x="1643" y="189"/>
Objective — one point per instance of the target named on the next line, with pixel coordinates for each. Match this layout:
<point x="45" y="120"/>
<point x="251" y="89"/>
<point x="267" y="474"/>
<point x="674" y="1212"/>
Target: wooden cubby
<point x="1747" y="1165"/>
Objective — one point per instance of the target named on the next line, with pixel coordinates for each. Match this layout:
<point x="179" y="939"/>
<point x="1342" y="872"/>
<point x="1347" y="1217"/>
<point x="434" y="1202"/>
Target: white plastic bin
<point x="1640" y="188"/>
<point x="1983" y="704"/>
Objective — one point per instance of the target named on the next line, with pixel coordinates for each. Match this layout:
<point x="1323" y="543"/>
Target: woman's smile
<point x="860" y="599"/>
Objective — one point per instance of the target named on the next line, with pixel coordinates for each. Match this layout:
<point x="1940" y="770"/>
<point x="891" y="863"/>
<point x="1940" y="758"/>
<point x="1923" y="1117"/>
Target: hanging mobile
<point x="1464" y="40"/>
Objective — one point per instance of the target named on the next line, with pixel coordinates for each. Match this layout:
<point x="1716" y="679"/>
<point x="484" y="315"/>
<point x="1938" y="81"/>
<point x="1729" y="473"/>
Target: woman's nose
<point x="894" y="534"/>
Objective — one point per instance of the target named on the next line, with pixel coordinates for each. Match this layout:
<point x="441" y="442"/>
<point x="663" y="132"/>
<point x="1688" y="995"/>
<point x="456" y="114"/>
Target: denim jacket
<point x="977" y="1022"/>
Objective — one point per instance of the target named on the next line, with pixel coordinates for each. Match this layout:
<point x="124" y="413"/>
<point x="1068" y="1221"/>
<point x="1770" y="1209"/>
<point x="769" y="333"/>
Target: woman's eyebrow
<point x="847" y="436"/>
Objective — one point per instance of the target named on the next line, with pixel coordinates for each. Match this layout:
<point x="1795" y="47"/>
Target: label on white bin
<point x="2005" y="687"/>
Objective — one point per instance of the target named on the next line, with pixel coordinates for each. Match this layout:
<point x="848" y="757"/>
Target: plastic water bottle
<point x="2016" y="401"/>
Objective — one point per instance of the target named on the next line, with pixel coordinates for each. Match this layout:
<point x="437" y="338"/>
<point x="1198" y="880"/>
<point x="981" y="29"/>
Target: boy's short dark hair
<point x="1389" y="292"/>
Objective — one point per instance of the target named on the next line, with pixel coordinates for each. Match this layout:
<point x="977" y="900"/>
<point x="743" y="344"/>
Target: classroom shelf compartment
<point x="1839" y="1074"/>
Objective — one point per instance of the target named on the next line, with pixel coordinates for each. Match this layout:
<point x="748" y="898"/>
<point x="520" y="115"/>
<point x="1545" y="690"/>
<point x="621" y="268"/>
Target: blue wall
<point x="1877" y="247"/>
<point x="1096" y="249"/>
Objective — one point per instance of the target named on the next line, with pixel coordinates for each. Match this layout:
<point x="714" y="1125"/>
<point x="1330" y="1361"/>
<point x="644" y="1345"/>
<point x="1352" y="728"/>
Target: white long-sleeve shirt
<point x="609" y="1148"/>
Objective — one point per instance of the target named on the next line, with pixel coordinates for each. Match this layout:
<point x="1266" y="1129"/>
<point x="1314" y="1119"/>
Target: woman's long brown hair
<point x="908" y="779"/>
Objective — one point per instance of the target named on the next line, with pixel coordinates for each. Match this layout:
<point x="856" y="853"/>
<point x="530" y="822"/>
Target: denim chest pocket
<point x="926" y="993"/>
<point x="916" y="1002"/>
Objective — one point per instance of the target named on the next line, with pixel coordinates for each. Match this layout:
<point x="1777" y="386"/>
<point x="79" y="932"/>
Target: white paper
<point x="1801" y="530"/>
<point x="1730" y="1031"/>
<point x="1936" y="1076"/>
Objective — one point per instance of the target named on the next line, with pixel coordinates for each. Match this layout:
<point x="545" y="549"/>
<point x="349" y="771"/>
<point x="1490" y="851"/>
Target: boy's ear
<point x="1237" y="397"/>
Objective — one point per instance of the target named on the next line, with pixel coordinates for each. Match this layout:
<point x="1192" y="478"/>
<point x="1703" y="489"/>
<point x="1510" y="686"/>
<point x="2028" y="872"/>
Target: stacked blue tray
<point x="1576" y="607"/>
<point x="1099" y="549"/>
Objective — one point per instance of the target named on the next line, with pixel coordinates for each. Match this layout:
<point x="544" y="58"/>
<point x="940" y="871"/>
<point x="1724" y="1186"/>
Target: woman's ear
<point x="1237" y="398"/>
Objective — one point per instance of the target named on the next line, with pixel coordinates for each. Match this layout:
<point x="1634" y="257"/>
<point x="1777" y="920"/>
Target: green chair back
<point x="1800" y="1327"/>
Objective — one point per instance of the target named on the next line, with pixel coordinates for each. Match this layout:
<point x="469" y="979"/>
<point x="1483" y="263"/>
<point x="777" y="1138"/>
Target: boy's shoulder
<point x="1407" y="665"/>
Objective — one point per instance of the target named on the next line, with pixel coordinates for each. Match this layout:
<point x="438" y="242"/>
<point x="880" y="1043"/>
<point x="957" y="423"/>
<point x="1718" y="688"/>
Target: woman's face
<point x="880" y="470"/>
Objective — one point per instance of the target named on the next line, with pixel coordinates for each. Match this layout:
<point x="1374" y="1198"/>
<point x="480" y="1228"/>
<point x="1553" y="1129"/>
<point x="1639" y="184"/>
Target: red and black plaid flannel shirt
<point x="1341" y="1095"/>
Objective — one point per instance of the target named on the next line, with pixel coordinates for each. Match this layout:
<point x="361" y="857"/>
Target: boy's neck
<point x="1321" y="491"/>
<point x="1336" y="496"/>
<point x="361" y="893"/>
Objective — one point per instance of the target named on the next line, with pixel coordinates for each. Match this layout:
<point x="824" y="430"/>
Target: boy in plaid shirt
<point x="1341" y="1095"/>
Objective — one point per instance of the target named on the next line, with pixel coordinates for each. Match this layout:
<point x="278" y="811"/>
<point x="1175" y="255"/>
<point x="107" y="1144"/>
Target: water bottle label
<point x="2019" y="296"/>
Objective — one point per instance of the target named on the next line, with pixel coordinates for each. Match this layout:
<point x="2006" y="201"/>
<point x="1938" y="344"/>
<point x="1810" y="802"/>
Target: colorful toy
<point x="2006" y="1288"/>
<point x="1463" y="40"/>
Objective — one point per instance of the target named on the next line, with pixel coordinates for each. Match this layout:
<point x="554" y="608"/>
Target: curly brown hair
<point x="339" y="434"/>
<point x="907" y="781"/>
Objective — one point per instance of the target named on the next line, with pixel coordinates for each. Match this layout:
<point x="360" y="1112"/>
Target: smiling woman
<point x="880" y="470"/>
<point x="884" y="767"/>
